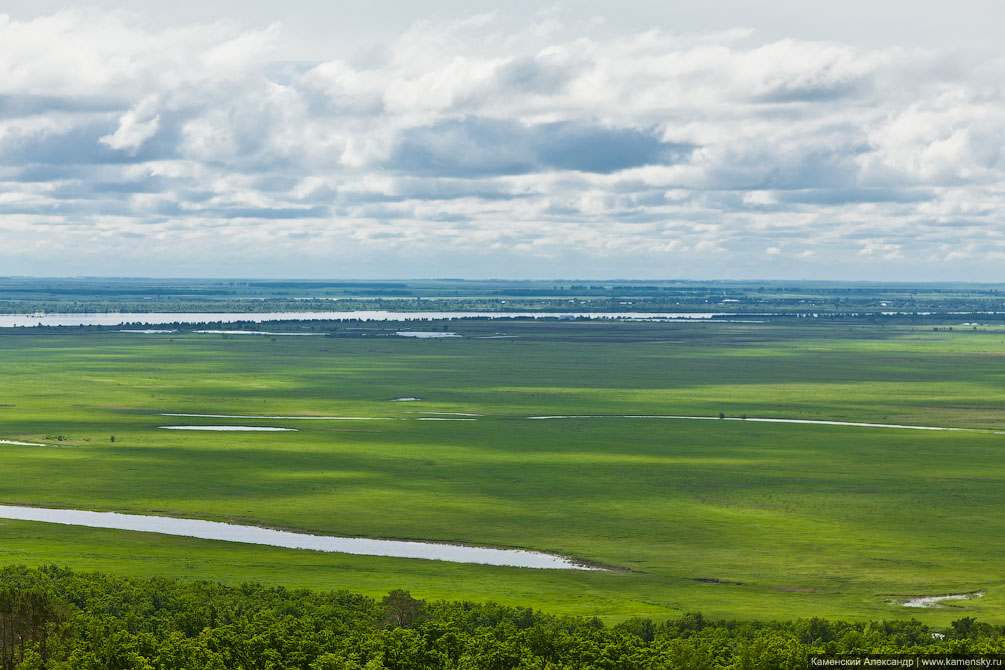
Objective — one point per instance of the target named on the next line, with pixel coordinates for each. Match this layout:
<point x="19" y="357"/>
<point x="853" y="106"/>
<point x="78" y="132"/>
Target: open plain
<point x="737" y="519"/>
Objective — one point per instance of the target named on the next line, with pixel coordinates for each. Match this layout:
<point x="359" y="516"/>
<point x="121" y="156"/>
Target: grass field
<point x="790" y="520"/>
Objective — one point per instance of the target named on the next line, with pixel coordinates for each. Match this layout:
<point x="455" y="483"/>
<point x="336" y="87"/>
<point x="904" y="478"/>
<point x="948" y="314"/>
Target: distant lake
<point x="157" y="318"/>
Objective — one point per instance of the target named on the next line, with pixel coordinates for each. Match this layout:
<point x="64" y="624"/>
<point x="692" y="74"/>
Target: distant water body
<point x="158" y="318"/>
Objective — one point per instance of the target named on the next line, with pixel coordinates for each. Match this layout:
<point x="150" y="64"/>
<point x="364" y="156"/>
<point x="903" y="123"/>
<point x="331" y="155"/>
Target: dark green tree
<point x="401" y="610"/>
<point x="30" y="619"/>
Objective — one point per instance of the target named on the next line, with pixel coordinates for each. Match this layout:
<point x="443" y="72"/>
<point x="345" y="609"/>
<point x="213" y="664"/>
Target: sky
<point x="580" y="139"/>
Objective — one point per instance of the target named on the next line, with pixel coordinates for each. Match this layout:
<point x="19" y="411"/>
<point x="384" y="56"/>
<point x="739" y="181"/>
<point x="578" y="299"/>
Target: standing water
<point x="227" y="532"/>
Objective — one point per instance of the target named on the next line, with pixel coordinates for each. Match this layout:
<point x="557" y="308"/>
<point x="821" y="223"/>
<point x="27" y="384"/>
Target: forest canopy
<point x="59" y="619"/>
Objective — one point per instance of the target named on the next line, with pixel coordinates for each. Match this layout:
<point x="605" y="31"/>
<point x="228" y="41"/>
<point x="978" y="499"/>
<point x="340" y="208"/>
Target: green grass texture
<point x="735" y="519"/>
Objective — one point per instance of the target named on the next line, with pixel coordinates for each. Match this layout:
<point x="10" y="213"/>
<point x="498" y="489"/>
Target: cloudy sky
<point x="583" y="139"/>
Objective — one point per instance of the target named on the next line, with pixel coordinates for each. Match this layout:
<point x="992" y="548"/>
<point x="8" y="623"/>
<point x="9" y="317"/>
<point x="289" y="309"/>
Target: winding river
<point x="228" y="532"/>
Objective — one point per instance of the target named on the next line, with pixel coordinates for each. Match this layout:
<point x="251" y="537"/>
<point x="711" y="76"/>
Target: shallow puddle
<point x="214" y="530"/>
<point x="935" y="601"/>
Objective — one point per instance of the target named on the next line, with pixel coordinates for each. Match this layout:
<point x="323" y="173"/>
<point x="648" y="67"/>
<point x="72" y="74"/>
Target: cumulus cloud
<point x="136" y="126"/>
<point x="466" y="148"/>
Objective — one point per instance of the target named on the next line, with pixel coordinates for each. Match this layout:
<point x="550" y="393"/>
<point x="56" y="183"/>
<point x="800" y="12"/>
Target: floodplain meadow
<point x="737" y="519"/>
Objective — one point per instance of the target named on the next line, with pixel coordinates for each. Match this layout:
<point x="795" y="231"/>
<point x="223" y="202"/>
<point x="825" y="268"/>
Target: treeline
<point x="59" y="619"/>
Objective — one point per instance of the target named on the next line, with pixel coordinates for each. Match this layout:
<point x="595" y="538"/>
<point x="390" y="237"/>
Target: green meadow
<point x="737" y="519"/>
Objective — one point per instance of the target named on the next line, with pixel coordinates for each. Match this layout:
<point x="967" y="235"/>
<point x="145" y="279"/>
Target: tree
<point x="962" y="627"/>
<point x="28" y="621"/>
<point x="401" y="610"/>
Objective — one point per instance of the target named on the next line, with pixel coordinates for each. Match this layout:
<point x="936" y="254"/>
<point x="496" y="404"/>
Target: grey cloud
<point x="192" y="195"/>
<point x="323" y="194"/>
<point x="436" y="194"/>
<point x="561" y="211"/>
<point x="81" y="145"/>
<point x="638" y="216"/>
<point x="43" y="173"/>
<point x="647" y="199"/>
<point x="74" y="209"/>
<point x="844" y="196"/>
<point x="92" y="189"/>
<point x="77" y="145"/>
<point x="979" y="228"/>
<point x="807" y="167"/>
<point x="479" y="146"/>
<point x="447" y="217"/>
<point x="353" y="198"/>
<point x="272" y="213"/>
<point x="571" y="146"/>
<point x="534" y="75"/>
<point x="285" y="72"/>
<point x="23" y="105"/>
<point x="814" y="92"/>
<point x="442" y="188"/>
<point x="430" y="194"/>
<point x="276" y="183"/>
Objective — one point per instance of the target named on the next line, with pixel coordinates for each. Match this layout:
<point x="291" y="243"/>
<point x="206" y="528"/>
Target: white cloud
<point x="136" y="126"/>
<point x="547" y="149"/>
<point x="235" y="56"/>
